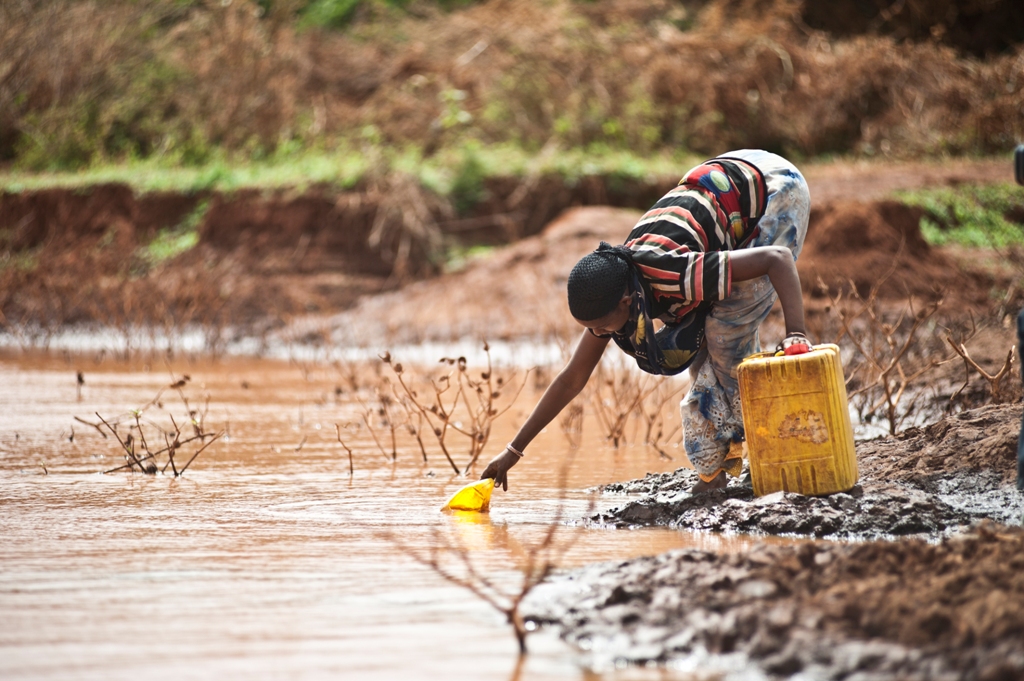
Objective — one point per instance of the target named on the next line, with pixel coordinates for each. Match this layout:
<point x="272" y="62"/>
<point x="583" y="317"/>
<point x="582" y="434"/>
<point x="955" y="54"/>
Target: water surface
<point x="266" y="559"/>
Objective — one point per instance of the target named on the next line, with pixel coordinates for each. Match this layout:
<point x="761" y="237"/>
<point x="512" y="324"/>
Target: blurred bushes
<point x="190" y="81"/>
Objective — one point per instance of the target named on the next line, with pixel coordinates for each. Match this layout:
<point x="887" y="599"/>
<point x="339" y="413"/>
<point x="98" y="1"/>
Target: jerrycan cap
<point x="476" y="496"/>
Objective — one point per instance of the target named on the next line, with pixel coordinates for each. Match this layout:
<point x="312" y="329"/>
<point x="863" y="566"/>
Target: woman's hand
<point x="498" y="468"/>
<point x="794" y="344"/>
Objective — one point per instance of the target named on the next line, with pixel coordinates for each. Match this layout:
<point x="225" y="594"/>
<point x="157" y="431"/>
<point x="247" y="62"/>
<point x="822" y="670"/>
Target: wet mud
<point x="877" y="610"/>
<point x="930" y="482"/>
<point x="946" y="601"/>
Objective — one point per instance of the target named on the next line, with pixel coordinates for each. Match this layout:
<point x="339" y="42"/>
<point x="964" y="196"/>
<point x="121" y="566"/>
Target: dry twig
<point x="137" y="447"/>
<point x="453" y="561"/>
<point x="460" y="403"/>
<point x="351" y="467"/>
<point x="994" y="380"/>
<point x="889" y="363"/>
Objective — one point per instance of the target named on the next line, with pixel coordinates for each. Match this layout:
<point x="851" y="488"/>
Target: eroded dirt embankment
<point x="929" y="482"/>
<point x="81" y="256"/>
<point x="73" y="256"/>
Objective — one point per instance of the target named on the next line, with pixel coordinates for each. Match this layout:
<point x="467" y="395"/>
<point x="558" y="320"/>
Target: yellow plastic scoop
<point x="476" y="496"/>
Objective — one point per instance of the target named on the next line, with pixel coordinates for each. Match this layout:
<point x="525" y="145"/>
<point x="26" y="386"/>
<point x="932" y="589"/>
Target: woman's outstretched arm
<point x="565" y="386"/>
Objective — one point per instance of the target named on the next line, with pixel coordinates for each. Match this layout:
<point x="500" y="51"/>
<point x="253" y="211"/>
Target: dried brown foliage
<point x="405" y="230"/>
<point x="890" y="358"/>
<point x="461" y="404"/>
<point x="86" y="80"/>
<point x="995" y="380"/>
<point x="146" y="443"/>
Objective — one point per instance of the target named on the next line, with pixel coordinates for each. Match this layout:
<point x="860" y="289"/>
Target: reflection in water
<point x="267" y="558"/>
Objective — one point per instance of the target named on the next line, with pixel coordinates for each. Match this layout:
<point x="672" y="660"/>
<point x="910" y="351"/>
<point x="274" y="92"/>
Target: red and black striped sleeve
<point x="677" y="247"/>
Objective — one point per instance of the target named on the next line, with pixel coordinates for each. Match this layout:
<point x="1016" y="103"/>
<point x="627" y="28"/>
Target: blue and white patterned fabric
<point x="711" y="412"/>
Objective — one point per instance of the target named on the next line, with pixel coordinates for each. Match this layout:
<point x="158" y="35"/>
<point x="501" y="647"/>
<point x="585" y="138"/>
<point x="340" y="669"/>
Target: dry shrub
<point x="974" y="27"/>
<point x="90" y="80"/>
<point x="783" y="88"/>
<point x="405" y="231"/>
<point x="81" y="80"/>
<point x="86" y="80"/>
<point x="742" y="74"/>
<point x="892" y="355"/>
<point x="145" y="442"/>
<point x="246" y="70"/>
<point x="458" y="404"/>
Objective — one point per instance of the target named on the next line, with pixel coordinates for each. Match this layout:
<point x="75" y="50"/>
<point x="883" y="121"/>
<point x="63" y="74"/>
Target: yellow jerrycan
<point x="476" y="496"/>
<point x="797" y="422"/>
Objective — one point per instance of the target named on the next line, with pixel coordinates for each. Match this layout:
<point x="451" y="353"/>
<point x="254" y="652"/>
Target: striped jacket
<point x="681" y="245"/>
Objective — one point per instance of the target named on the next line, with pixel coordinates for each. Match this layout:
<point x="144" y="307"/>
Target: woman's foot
<point x="717" y="482"/>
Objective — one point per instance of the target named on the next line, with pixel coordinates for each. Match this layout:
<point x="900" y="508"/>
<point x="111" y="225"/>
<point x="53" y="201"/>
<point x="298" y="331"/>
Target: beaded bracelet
<point x="512" y="449"/>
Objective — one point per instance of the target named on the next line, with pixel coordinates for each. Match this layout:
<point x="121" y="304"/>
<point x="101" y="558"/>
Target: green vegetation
<point x="25" y="261"/>
<point x="337" y="14"/>
<point x="458" y="257"/>
<point x="989" y="216"/>
<point x="154" y="175"/>
<point x="456" y="172"/>
<point x="170" y="243"/>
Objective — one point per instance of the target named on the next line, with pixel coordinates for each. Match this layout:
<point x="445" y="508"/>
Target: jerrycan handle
<point x="795" y="349"/>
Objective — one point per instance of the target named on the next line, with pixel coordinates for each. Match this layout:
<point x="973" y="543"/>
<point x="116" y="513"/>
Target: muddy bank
<point x="881" y="610"/>
<point x="929" y="482"/>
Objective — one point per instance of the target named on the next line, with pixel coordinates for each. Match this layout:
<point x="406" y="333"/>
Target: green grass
<point x="299" y="172"/>
<point x="170" y="243"/>
<point x="980" y="216"/>
<point x="458" y="257"/>
<point x="459" y="170"/>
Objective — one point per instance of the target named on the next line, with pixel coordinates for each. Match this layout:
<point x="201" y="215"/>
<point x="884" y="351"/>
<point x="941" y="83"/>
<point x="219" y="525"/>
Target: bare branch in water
<point x="94" y="425"/>
<point x="351" y="468"/>
<point x="137" y="445"/>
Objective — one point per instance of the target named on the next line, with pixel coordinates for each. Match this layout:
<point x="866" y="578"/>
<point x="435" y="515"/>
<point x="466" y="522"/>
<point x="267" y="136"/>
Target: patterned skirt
<point x="711" y="412"/>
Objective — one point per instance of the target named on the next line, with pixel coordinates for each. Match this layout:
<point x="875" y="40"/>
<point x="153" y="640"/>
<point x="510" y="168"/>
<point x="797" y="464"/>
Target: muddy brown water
<point x="266" y="560"/>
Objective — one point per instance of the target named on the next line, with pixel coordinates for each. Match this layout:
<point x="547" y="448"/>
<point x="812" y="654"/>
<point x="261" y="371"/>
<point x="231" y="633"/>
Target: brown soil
<point x="262" y="258"/>
<point x="265" y="258"/>
<point x="514" y="292"/>
<point x="848" y="240"/>
<point x="860" y="243"/>
<point x="979" y="440"/>
<point x="906" y="610"/>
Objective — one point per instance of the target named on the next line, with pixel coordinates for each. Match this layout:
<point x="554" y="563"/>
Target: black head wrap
<point x="598" y="281"/>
